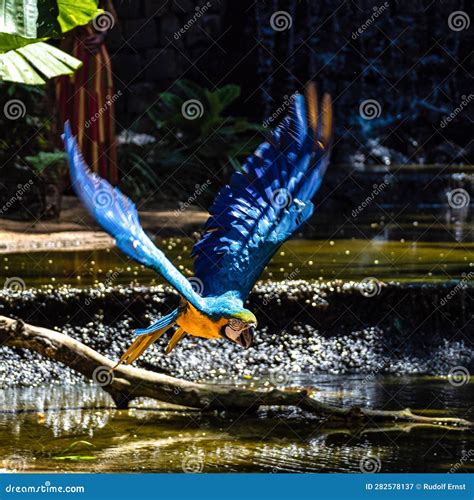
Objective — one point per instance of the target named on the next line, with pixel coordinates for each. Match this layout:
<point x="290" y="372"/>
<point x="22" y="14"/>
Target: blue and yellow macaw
<point x="263" y="206"/>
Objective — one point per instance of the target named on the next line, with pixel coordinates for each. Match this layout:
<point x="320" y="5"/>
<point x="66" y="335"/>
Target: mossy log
<point x="126" y="383"/>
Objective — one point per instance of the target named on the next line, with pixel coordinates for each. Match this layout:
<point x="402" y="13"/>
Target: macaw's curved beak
<point x="246" y="337"/>
<point x="243" y="337"/>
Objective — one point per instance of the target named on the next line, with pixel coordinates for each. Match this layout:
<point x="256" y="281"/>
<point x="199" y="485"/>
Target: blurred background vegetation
<point x="240" y="70"/>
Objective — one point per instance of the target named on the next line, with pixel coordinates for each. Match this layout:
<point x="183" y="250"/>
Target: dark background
<point x="408" y="59"/>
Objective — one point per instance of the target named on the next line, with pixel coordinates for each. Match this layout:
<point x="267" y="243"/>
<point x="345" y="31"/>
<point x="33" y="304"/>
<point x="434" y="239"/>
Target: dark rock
<point x="162" y="64"/>
<point x="115" y="40"/>
<point x="129" y="9"/>
<point x="141" y="95"/>
<point x="156" y="8"/>
<point x="169" y="30"/>
<point x="141" y="33"/>
<point x="125" y="68"/>
<point x="185" y="7"/>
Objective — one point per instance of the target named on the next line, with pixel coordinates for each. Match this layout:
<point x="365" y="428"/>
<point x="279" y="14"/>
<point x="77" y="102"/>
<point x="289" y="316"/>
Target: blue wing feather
<point x="248" y="222"/>
<point x="158" y="325"/>
<point x="119" y="217"/>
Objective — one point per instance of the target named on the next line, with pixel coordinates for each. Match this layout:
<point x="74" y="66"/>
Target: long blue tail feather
<point x="158" y="325"/>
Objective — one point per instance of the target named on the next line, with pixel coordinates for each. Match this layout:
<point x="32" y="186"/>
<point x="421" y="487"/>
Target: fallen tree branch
<point x="127" y="383"/>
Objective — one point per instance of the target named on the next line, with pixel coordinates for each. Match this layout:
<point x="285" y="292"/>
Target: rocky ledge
<point x="304" y="328"/>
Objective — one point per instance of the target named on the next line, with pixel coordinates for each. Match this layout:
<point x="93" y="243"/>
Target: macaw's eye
<point x="236" y="324"/>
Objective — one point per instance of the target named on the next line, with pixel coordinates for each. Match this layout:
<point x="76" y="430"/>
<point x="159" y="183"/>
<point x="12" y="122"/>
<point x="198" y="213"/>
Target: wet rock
<point x="403" y="329"/>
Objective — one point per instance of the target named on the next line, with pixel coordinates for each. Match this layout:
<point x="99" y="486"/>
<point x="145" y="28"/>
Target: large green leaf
<point x="76" y="13"/>
<point x="28" y="21"/>
<point x="25" y="24"/>
<point x="35" y="62"/>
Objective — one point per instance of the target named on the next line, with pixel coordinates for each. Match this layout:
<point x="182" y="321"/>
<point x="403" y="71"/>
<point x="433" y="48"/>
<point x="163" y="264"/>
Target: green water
<point x="346" y="259"/>
<point x="75" y="428"/>
<point x="428" y="245"/>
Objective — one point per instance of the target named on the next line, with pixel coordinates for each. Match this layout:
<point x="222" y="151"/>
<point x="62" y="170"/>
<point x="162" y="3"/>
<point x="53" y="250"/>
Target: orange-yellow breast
<point x="198" y="324"/>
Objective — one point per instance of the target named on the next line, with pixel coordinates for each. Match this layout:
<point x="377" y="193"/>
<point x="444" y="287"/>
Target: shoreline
<point x="76" y="230"/>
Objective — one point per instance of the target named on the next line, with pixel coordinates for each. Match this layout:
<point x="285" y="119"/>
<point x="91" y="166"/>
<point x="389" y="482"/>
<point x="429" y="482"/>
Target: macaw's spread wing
<point x="118" y="216"/>
<point x="267" y="202"/>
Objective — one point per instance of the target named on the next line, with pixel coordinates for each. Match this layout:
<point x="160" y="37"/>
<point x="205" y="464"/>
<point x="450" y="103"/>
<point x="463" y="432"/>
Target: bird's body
<point x="200" y="324"/>
<point x="251" y="217"/>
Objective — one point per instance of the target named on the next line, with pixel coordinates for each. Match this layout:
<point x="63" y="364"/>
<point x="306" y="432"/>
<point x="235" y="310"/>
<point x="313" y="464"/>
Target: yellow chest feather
<point x="196" y="323"/>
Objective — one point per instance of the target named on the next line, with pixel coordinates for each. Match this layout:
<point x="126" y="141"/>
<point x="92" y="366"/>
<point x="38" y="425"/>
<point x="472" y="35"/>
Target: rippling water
<point x="76" y="428"/>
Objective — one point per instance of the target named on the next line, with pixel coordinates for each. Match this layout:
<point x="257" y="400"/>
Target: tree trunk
<point x="126" y="383"/>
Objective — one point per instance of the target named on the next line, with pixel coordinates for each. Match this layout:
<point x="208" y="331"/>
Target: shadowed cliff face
<point x="399" y="72"/>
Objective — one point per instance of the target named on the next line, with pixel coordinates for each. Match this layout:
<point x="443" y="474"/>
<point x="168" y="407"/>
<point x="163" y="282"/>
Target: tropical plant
<point x="26" y="58"/>
<point x="51" y="168"/>
<point x="137" y="173"/>
<point x="25" y="25"/>
<point x="194" y="131"/>
<point x="44" y="160"/>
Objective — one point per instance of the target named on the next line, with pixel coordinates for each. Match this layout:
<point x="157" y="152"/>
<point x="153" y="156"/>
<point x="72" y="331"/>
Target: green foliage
<point x="44" y="160"/>
<point x="137" y="174"/>
<point x="26" y="21"/>
<point x="194" y="131"/>
<point x="25" y="135"/>
<point x="26" y="24"/>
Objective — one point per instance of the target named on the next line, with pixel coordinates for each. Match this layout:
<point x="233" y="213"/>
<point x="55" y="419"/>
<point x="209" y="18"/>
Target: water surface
<point x="75" y="428"/>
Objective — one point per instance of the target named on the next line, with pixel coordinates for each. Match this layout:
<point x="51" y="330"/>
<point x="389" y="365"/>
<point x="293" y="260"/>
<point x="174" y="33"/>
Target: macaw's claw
<point x="178" y="335"/>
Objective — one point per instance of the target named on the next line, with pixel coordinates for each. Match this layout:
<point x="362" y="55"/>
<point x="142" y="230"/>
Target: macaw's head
<point x="239" y="328"/>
